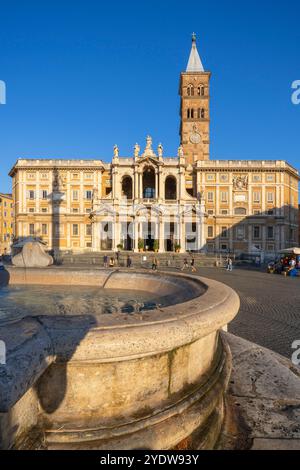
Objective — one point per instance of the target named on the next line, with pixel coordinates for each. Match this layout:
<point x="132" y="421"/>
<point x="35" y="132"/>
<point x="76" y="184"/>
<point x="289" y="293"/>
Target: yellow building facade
<point x="6" y="223"/>
<point x="147" y="200"/>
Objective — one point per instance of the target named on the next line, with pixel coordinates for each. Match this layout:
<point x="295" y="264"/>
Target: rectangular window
<point x="224" y="212"/>
<point x="75" y="230"/>
<point x="224" y="232"/>
<point x="270" y="197"/>
<point x="31" y="229"/>
<point x="210" y="231"/>
<point x="75" y="195"/>
<point x="210" y="212"/>
<point x="256" y="232"/>
<point x="88" y="230"/>
<point x="31" y="209"/>
<point x="224" y="178"/>
<point x="224" y="196"/>
<point x="270" y="233"/>
<point x="270" y="178"/>
<point x="44" y="209"/>
<point x="31" y="194"/>
<point x="256" y="196"/>
<point x="210" y="196"/>
<point x="88" y="195"/>
<point x="88" y="210"/>
<point x="44" y="229"/>
<point x="75" y="210"/>
<point x="210" y="177"/>
<point x="256" y="178"/>
<point x="240" y="232"/>
<point x="44" y="194"/>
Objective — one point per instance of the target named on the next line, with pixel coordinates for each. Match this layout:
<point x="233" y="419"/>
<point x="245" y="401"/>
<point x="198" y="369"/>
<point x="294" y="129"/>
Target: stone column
<point x="136" y="235"/>
<point x="81" y="195"/>
<point x="182" y="184"/>
<point x="249" y="237"/>
<point x="116" y="232"/>
<point x="217" y="204"/>
<point x="38" y="192"/>
<point x="68" y="228"/>
<point x="263" y="194"/>
<point x="182" y="235"/>
<point x="156" y="185"/>
<point x="161" y="194"/>
<point x="198" y="182"/>
<point x="136" y="184"/>
<point x="141" y="185"/>
<point x="161" y="235"/>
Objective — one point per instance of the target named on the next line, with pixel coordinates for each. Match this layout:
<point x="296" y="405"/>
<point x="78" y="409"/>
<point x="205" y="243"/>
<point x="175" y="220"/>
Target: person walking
<point x="129" y="261"/>
<point x="193" y="267"/>
<point x="185" y="264"/>
<point x="154" y="264"/>
<point x="105" y="261"/>
<point x="229" y="264"/>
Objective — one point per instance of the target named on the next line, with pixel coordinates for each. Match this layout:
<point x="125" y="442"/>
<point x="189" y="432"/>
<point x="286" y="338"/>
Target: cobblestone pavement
<point x="270" y="307"/>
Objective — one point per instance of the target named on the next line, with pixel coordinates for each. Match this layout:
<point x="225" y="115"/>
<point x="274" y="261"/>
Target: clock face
<point x="195" y="138"/>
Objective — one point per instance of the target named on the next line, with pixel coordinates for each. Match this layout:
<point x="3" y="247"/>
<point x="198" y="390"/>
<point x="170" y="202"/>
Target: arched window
<point x="202" y="90"/>
<point x="127" y="187"/>
<point x="190" y="90"/>
<point x="170" y="188"/>
<point x="149" y="183"/>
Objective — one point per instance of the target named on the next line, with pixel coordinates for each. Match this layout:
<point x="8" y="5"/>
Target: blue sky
<point x="84" y="75"/>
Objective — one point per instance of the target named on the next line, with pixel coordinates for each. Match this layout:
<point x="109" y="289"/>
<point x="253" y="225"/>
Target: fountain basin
<point x="154" y="379"/>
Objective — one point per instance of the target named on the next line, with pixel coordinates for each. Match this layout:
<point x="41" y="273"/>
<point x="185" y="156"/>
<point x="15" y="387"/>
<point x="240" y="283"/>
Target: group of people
<point x="189" y="265"/>
<point x="115" y="261"/>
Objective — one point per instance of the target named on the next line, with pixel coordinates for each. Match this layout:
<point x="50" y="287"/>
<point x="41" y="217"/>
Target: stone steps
<point x="138" y="259"/>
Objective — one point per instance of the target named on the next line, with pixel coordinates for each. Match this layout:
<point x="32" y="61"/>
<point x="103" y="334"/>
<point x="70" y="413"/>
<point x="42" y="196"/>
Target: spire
<point x="194" y="64"/>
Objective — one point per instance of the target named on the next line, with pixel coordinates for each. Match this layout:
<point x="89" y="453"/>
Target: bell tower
<point x="194" y="110"/>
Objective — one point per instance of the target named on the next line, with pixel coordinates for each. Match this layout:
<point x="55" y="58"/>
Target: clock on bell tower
<point x="195" y="118"/>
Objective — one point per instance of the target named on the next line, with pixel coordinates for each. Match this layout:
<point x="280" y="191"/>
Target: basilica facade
<point x="148" y="201"/>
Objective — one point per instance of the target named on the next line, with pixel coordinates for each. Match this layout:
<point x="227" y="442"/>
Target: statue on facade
<point x="160" y="150"/>
<point x="149" y="143"/>
<point x="180" y="152"/>
<point x="95" y="194"/>
<point x="116" y="151"/>
<point x="137" y="149"/>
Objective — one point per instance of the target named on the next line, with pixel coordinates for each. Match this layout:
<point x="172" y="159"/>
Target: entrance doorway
<point x="149" y="236"/>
